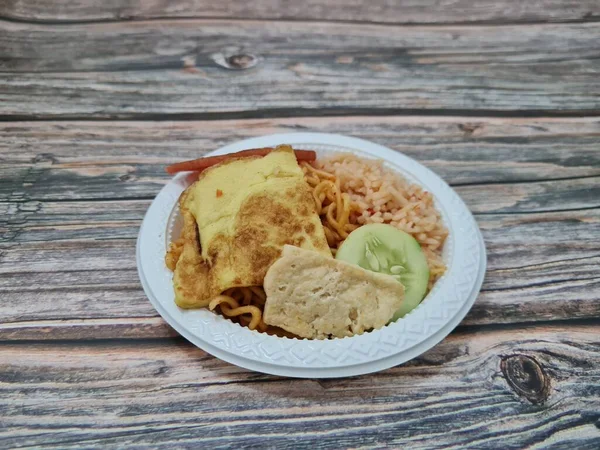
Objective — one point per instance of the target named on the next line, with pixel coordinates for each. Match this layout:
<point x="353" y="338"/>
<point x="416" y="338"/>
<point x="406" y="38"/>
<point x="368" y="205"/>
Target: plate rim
<point x="375" y="364"/>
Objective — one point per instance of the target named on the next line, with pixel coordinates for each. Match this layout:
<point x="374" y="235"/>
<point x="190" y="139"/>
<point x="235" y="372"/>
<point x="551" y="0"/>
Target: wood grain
<point x="477" y="389"/>
<point x="385" y="11"/>
<point x="181" y="69"/>
<point x="126" y="159"/>
<point x="73" y="194"/>
<point x="540" y="267"/>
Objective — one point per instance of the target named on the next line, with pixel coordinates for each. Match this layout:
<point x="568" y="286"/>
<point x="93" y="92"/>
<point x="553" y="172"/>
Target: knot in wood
<point x="235" y="61"/>
<point x="469" y="128"/>
<point x="526" y="377"/>
<point x="241" y="62"/>
<point x="44" y="158"/>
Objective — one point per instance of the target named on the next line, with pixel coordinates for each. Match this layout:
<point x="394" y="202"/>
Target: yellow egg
<point x="243" y="211"/>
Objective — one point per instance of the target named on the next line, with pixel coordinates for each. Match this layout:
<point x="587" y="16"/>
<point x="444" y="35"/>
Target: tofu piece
<point x="313" y="296"/>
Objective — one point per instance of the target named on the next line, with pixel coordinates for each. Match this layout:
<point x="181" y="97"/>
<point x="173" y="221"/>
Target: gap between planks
<point x="355" y="12"/>
<point x="463" y="24"/>
<point x="308" y="113"/>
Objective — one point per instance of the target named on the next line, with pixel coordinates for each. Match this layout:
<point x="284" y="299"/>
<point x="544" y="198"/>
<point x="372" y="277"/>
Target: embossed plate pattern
<point x="443" y="308"/>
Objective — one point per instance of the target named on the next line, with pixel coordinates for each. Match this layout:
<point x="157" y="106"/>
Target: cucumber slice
<point x="385" y="249"/>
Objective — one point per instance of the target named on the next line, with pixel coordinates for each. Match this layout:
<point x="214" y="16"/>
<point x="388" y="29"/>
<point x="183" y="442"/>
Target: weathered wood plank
<point x="540" y="267"/>
<point x="384" y="11"/>
<point x="477" y="389"/>
<point x="69" y="160"/>
<point x="172" y="68"/>
<point x="532" y="197"/>
<point x="92" y="329"/>
<point x="54" y="221"/>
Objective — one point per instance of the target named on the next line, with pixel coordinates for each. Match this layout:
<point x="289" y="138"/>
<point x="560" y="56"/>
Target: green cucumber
<point x="385" y="249"/>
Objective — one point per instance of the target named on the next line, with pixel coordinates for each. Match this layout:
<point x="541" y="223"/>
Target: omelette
<point x="236" y="219"/>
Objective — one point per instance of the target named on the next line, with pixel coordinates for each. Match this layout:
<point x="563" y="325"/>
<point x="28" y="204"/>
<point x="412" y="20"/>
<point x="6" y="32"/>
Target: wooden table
<point x="501" y="98"/>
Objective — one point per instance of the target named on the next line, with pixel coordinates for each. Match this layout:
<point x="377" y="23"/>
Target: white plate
<point x="438" y="314"/>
